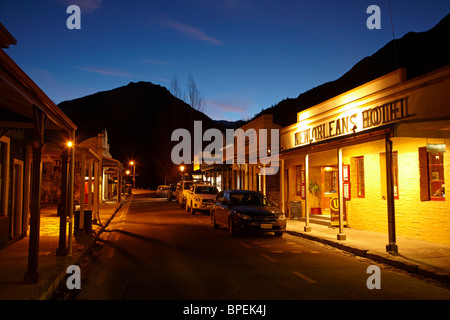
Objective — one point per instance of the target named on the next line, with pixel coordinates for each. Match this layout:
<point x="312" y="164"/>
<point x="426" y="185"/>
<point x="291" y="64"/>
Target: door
<point x="220" y="211"/>
<point x="17" y="199"/>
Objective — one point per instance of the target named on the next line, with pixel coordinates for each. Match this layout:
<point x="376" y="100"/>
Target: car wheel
<point x="278" y="233"/>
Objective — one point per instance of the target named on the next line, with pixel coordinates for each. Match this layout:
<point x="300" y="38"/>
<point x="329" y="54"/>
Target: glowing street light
<point x="134" y="174"/>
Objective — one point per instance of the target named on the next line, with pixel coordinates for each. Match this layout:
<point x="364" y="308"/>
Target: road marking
<point x="276" y="251"/>
<point x="268" y="258"/>
<point x="245" y="245"/>
<point x="312" y="251"/>
<point x="298" y="274"/>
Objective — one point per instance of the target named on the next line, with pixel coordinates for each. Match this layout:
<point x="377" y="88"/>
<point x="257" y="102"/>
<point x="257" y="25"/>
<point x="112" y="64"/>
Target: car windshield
<point x="248" y="199"/>
<point x="206" y="190"/>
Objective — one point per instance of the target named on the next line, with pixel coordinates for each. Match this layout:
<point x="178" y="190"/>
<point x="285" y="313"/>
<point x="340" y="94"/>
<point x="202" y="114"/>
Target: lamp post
<point x="134" y="174"/>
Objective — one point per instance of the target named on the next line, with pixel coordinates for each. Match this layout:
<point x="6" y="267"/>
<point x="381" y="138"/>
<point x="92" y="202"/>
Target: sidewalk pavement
<point x="14" y="258"/>
<point x="427" y="259"/>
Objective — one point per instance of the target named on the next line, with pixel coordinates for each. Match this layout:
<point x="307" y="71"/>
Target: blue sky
<point x="243" y="55"/>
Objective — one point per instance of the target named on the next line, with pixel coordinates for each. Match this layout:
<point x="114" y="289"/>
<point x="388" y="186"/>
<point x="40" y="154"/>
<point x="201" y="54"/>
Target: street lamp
<point x="134" y="173"/>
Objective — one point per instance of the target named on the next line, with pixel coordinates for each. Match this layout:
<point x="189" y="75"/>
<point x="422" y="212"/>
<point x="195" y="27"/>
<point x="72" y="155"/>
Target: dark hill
<point x="419" y="53"/>
<point x="139" y="119"/>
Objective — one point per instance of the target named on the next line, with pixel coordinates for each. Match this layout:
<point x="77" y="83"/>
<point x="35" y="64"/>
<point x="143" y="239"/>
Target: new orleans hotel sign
<point x="356" y="121"/>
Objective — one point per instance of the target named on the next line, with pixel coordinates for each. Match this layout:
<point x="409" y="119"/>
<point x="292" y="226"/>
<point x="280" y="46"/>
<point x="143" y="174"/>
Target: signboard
<point x="296" y="209"/>
<point x="334" y="209"/>
<point x="357" y="121"/>
<point x="111" y="172"/>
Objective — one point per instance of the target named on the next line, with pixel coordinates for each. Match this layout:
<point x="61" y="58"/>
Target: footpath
<point x="53" y="268"/>
<point x="425" y="259"/>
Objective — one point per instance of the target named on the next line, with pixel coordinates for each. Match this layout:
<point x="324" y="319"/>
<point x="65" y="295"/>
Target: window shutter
<point x="423" y="175"/>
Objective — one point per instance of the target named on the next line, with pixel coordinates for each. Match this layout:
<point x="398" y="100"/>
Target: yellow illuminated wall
<point x="423" y="220"/>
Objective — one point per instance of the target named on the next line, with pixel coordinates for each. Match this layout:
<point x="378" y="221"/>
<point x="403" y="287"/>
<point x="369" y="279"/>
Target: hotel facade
<point x="373" y="158"/>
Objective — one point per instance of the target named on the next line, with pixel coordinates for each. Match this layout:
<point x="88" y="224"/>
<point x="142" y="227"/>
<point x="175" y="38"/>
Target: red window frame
<point x="360" y="185"/>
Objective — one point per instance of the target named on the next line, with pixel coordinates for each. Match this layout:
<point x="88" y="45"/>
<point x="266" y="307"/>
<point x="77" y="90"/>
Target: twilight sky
<point x="243" y="55"/>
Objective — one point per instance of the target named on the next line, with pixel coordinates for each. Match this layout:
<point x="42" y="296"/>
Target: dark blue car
<point x="245" y="210"/>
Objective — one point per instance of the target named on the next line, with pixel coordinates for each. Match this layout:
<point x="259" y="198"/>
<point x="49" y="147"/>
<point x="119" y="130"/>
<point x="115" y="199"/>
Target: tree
<point x="193" y="97"/>
<point x="175" y="89"/>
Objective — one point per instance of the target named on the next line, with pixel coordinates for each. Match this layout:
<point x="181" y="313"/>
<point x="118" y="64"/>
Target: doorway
<point x="330" y="181"/>
<point x="17" y="199"/>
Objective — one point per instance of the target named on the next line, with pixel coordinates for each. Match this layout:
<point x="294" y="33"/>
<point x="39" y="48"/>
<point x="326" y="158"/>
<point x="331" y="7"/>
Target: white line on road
<point x="268" y="258"/>
<point x="298" y="274"/>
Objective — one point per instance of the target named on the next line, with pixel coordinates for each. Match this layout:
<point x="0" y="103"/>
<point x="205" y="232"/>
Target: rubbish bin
<point x="87" y="220"/>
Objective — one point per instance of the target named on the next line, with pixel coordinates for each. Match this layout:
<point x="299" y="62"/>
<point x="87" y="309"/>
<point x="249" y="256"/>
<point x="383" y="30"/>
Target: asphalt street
<point x="154" y="250"/>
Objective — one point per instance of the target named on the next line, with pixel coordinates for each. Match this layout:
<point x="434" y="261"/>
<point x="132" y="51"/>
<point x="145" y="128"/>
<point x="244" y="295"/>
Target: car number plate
<point x="266" y="226"/>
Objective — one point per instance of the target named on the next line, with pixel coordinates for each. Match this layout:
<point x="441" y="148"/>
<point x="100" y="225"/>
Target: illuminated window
<point x="431" y="175"/>
<point x="361" y="191"/>
<point x="436" y="174"/>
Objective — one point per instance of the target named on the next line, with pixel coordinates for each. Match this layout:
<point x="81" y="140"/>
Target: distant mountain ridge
<point x="419" y="53"/>
<point x="139" y="118"/>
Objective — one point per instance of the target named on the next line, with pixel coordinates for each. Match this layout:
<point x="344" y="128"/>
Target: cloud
<point x="227" y="107"/>
<point x="107" y="71"/>
<point x="189" y="31"/>
<point x="86" y="6"/>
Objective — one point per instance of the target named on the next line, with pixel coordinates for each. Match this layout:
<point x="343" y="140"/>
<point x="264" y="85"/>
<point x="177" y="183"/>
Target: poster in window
<point x="346" y="172"/>
<point x="347" y="191"/>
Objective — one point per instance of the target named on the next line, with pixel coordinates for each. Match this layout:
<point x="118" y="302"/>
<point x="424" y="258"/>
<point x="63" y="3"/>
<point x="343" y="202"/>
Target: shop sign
<point x="359" y="121"/>
<point x="111" y="172"/>
<point x="334" y="212"/>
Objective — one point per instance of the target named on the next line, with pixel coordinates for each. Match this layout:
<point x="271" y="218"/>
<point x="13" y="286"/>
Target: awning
<point x="426" y="128"/>
<point x="110" y="162"/>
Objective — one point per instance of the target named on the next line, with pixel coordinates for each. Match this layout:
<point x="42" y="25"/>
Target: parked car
<point x="245" y="210"/>
<point x="161" y="191"/>
<point x="201" y="197"/>
<point x="183" y="189"/>
<point x="171" y="193"/>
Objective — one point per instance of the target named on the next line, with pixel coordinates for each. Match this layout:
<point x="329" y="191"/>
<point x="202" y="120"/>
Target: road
<point x="154" y="250"/>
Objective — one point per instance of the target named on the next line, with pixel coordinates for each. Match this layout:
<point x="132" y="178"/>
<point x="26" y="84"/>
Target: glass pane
<point x="436" y="174"/>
